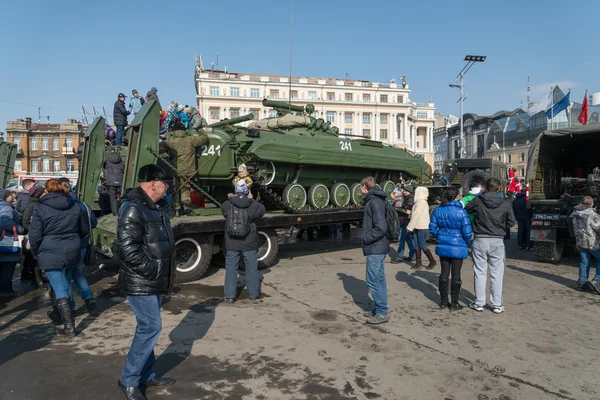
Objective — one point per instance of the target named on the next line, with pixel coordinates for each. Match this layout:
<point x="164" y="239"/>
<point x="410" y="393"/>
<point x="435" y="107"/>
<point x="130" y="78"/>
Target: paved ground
<point x="307" y="340"/>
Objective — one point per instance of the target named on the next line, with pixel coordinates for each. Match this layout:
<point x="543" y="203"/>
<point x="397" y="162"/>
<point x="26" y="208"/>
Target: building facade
<point x="440" y="139"/>
<point x="45" y="148"/>
<point x="382" y="112"/>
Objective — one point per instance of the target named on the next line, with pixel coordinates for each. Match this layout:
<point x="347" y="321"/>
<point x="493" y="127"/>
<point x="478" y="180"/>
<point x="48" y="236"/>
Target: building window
<point x="235" y="92"/>
<point x="34" y="143"/>
<point x="294" y="94"/>
<point x="330" y="115"/>
<point x="366" y="132"/>
<point x="312" y="94"/>
<point x="272" y="113"/>
<point x="254" y="92"/>
<point x="18" y="165"/>
<point x="400" y="99"/>
<point x="366" y="98"/>
<point x="256" y="114"/>
<point x="383" y="133"/>
<point x="348" y="117"/>
<point x="399" y="134"/>
<point x="348" y="96"/>
<point x="235" y="112"/>
<point x="422" y="115"/>
<point x="35" y="166"/>
<point x="366" y="118"/>
<point x="330" y="96"/>
<point x="46" y="165"/>
<point x="44" y="143"/>
<point x="70" y="165"/>
<point x="274" y="93"/>
<point x="348" y="131"/>
<point x="522" y="172"/>
<point x="56" y="166"/>
<point x="522" y="158"/>
<point x="69" y="142"/>
<point x="214" y="90"/>
<point x="383" y="118"/>
<point x="55" y="144"/>
<point x="499" y="158"/>
<point x="213" y="113"/>
<point x="509" y="158"/>
<point x="17" y="142"/>
<point x="383" y="98"/>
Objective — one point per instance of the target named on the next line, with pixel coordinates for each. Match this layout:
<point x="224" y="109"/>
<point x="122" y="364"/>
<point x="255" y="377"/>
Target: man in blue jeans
<point x="241" y="241"/>
<point x="406" y="237"/>
<point x="375" y="246"/>
<point x="586" y="225"/>
<point x="147" y="252"/>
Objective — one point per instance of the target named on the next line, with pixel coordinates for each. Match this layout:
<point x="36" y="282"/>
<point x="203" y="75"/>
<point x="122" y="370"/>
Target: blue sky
<point x="61" y="55"/>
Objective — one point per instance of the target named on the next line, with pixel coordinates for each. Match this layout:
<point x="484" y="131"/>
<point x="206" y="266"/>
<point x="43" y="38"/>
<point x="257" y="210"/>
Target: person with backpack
<point x="419" y="224"/>
<point x="375" y="245"/>
<point x="241" y="241"/>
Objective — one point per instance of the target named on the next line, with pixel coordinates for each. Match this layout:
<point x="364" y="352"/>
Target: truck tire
<point x="477" y="175"/>
<point x="550" y="252"/>
<point x="268" y="248"/>
<point x="193" y="254"/>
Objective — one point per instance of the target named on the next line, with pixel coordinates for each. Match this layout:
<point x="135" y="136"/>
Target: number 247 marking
<point x="345" y="146"/>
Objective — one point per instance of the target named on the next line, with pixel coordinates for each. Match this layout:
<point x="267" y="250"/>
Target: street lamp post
<point x="470" y="61"/>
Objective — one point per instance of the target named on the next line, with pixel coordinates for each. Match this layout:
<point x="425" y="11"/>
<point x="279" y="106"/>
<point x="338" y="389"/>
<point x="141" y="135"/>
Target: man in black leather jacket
<point x="147" y="251"/>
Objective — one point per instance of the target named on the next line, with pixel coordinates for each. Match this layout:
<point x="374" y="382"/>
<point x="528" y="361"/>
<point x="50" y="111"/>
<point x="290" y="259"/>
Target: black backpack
<point x="393" y="221"/>
<point x="237" y="224"/>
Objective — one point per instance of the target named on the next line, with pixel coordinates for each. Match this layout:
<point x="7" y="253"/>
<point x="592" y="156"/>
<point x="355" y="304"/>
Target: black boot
<point x="66" y="314"/>
<point x="54" y="315"/>
<point x="38" y="277"/>
<point x="431" y="258"/>
<point x="90" y="305"/>
<point x="455" y="295"/>
<point x="443" y="287"/>
<point x="418" y="264"/>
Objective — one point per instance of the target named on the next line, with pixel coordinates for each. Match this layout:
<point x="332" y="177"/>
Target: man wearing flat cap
<point x="120" y="114"/>
<point x="147" y="251"/>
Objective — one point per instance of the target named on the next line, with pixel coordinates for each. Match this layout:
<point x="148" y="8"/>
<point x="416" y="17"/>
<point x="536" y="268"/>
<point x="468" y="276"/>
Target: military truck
<point x="464" y="172"/>
<point x="563" y="167"/>
<point x="8" y="155"/>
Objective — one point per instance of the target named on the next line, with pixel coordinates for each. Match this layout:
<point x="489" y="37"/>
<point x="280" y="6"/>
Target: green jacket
<point x="465" y="200"/>
<point x="183" y="150"/>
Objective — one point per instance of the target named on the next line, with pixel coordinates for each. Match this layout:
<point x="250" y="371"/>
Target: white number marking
<point x="345" y="146"/>
<point x="209" y="151"/>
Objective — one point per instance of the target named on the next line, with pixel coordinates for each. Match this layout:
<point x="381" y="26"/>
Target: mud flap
<point x="543" y="235"/>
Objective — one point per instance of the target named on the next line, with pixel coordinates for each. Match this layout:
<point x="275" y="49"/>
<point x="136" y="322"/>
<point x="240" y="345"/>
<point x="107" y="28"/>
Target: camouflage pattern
<point x="182" y="149"/>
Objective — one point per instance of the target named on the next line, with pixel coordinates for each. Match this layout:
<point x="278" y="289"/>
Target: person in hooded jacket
<point x="245" y="247"/>
<point x="451" y="227"/>
<point x="136" y="102"/>
<point x="523" y="216"/>
<point x="55" y="233"/>
<point x="376" y="246"/>
<point x="419" y="223"/>
<point x="9" y="222"/>
<point x="151" y="95"/>
<point x="115" y="168"/>
<point x="120" y="114"/>
<point x="586" y="225"/>
<point x="493" y="213"/>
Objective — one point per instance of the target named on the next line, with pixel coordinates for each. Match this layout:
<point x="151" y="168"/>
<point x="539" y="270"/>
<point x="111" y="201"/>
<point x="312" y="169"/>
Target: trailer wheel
<point x="471" y="177"/>
<point x="550" y="252"/>
<point x="268" y="248"/>
<point x="193" y="258"/>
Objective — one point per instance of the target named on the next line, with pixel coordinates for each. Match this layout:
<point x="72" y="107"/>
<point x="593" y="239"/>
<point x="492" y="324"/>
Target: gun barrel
<point x="232" y="121"/>
<point x="282" y="105"/>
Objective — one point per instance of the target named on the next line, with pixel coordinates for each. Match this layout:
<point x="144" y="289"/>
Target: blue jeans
<point x="421" y="236"/>
<point x="80" y="281"/>
<point x="232" y="261"/>
<point x="377" y="283"/>
<point x="141" y="359"/>
<point x="585" y="264"/>
<point x="7" y="270"/>
<point x="405" y="237"/>
<point x="120" y="134"/>
<point x="60" y="279"/>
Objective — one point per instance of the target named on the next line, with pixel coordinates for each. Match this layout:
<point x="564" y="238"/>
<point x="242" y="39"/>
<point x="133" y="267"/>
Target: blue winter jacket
<point x="451" y="227"/>
<point x="8" y="218"/>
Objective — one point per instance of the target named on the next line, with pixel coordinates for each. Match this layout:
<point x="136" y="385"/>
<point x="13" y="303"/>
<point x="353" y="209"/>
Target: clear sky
<point x="63" y="54"/>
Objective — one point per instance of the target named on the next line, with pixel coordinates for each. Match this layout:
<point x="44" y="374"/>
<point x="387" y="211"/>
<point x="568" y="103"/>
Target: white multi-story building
<point x="382" y="112"/>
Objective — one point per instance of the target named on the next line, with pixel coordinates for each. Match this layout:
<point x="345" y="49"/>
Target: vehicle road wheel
<point x="388" y="187"/>
<point x="295" y="195"/>
<point x="340" y="195"/>
<point x="470" y="177"/>
<point x="550" y="252"/>
<point x="318" y="196"/>
<point x="356" y="194"/>
<point x="193" y="255"/>
<point x="268" y="248"/>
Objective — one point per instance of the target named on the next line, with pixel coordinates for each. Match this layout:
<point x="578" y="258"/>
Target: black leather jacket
<point x="146" y="246"/>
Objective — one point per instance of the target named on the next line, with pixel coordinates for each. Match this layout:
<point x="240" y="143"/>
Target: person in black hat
<point x="120" y="114"/>
<point x="147" y="252"/>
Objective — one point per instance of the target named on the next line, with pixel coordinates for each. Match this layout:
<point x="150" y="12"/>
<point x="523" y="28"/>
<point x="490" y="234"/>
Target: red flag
<point x="583" y="115"/>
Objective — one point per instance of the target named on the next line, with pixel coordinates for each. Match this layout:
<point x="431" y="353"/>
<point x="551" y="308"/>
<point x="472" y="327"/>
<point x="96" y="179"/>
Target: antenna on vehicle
<point x="290" y="78"/>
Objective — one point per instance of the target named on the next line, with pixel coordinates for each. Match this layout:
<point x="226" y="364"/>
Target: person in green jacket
<point x="476" y="190"/>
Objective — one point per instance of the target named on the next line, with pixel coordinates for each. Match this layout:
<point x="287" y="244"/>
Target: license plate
<point x="546" y="217"/>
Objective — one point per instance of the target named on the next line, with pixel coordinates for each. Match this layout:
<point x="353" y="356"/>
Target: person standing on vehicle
<point x="136" y="102"/>
<point x="120" y="118"/>
<point x="405" y="237"/>
<point x="493" y="213"/>
<point x="9" y="222"/>
<point x="241" y="241"/>
<point x="419" y="223"/>
<point x="147" y="252"/>
<point x="376" y="246"/>
<point x="523" y="216"/>
<point x="115" y="168"/>
<point x="151" y="95"/>
<point x="451" y="227"/>
<point x="586" y="225"/>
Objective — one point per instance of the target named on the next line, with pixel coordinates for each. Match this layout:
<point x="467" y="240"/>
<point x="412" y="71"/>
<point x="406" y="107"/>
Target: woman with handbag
<point x="57" y="226"/>
<point x="10" y="246"/>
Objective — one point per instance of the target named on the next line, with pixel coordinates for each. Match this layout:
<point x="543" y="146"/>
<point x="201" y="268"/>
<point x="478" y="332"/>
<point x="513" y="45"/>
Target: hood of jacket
<point x="453" y="203"/>
<point x="113" y="157"/>
<point x="492" y="199"/>
<point x="241" y="201"/>
<point x="178" y="134"/>
<point x="371" y="194"/>
<point x="421" y="193"/>
<point x="58" y="201"/>
<point x="582" y="210"/>
<point x="582" y="207"/>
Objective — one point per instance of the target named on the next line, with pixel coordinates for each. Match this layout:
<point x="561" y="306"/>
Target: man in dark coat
<point x="115" y="168"/>
<point x="146" y="247"/>
<point x="120" y="114"/>
<point x="375" y="246"/>
<point x="151" y="95"/>
<point x="24" y="196"/>
<point x="242" y="210"/>
<point x="405" y="236"/>
<point x="523" y="217"/>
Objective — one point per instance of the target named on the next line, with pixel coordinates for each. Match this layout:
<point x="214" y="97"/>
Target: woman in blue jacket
<point x="451" y="227"/>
